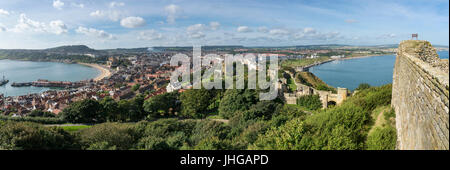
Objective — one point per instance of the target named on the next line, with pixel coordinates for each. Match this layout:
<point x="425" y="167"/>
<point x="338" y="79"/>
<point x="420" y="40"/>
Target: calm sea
<point x="27" y="71"/>
<point x="376" y="71"/>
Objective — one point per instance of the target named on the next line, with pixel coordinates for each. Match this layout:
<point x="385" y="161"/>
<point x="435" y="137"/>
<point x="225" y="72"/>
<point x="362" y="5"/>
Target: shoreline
<point x="339" y="59"/>
<point x="366" y="56"/>
<point x="104" y="72"/>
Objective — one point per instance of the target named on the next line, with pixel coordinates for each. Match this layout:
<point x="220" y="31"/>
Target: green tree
<point x="236" y="100"/>
<point x="363" y="86"/>
<point x="135" y="87"/>
<point x="164" y="105"/>
<point x="84" y="111"/>
<point x="195" y="102"/>
<point x="111" y="109"/>
<point x="132" y="110"/>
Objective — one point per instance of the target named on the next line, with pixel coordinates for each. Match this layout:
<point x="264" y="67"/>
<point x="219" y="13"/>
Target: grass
<point x="378" y="117"/>
<point x="291" y="84"/>
<point x="310" y="79"/>
<point x="302" y="62"/>
<point x="74" y="128"/>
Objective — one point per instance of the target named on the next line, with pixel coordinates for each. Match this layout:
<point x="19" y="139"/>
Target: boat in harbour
<point x="3" y="81"/>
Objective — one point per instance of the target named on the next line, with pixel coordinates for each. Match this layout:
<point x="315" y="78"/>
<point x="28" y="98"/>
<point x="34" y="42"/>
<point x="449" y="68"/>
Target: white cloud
<point x="244" y="29"/>
<point x="279" y="32"/>
<point x="172" y="12"/>
<point x="97" y="13"/>
<point x="4" y="12"/>
<point x="112" y="15"/>
<point x="196" y="31"/>
<point x="27" y="25"/>
<point x="80" y="5"/>
<point x="150" y="35"/>
<point x="388" y="36"/>
<point x="94" y="32"/>
<point x="309" y="31"/>
<point x="57" y="27"/>
<point x="116" y="4"/>
<point x="263" y="29"/>
<point x="214" y="25"/>
<point x="313" y="34"/>
<point x="195" y="28"/>
<point x="58" y="4"/>
<point x="132" y="22"/>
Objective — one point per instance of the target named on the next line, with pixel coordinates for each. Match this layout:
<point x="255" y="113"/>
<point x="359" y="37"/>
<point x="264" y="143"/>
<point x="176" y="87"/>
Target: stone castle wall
<point x="420" y="97"/>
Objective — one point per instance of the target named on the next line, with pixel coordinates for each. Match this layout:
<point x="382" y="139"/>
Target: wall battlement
<point x="420" y="97"/>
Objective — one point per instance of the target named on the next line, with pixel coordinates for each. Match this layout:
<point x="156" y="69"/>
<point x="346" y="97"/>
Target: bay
<point x="376" y="71"/>
<point x="28" y="71"/>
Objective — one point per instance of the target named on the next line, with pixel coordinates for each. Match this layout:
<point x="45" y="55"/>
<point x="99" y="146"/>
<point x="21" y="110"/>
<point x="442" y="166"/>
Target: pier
<point x="306" y="68"/>
<point x="46" y="83"/>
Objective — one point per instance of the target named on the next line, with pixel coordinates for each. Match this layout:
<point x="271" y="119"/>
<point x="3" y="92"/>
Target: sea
<point x="376" y="71"/>
<point x="28" y="71"/>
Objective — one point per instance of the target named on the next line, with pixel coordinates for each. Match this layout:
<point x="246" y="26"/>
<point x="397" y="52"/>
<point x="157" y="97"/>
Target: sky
<point x="104" y="24"/>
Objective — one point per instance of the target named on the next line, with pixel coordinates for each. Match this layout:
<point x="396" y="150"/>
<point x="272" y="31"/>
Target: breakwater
<point x="46" y="83"/>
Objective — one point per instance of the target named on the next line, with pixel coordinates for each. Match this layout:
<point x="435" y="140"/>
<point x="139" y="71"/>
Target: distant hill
<point x="71" y="49"/>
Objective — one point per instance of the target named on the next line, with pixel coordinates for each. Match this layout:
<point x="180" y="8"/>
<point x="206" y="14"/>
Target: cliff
<point x="420" y="97"/>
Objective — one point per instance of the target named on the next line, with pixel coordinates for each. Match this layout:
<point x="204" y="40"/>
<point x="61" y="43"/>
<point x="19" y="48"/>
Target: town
<point x="149" y="74"/>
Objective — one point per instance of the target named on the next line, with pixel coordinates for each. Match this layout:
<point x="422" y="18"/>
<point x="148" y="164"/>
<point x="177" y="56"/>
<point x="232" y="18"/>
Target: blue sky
<point x="138" y="23"/>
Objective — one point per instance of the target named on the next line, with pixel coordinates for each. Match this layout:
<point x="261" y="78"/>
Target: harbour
<point x="24" y="73"/>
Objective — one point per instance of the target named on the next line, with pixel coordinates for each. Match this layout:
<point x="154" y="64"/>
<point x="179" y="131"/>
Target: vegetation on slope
<point x="302" y="62"/>
<point x="311" y="80"/>
<point x="342" y="127"/>
<point x="163" y="123"/>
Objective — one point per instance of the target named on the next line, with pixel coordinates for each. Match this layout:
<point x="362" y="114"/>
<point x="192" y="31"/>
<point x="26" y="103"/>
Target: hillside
<point x="310" y="79"/>
<point x="71" y="49"/>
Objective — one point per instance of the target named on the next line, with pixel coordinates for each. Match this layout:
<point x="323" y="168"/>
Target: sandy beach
<point x="104" y="71"/>
<point x="365" y="56"/>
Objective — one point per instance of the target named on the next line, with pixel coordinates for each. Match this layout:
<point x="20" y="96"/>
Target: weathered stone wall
<point x="420" y="97"/>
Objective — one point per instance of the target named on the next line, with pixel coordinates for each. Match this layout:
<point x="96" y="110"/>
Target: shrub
<point x="213" y="143"/>
<point x="195" y="102"/>
<point x="382" y="138"/>
<point x="286" y="137"/>
<point x="286" y="113"/>
<point x="207" y="129"/>
<point x="31" y="136"/>
<point x="262" y="110"/>
<point x="363" y="86"/>
<point x="40" y="113"/>
<point x="236" y="100"/>
<point x="153" y="143"/>
<point x="42" y="120"/>
<point x="109" y="135"/>
<point x="324" y="87"/>
<point x="311" y="102"/>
